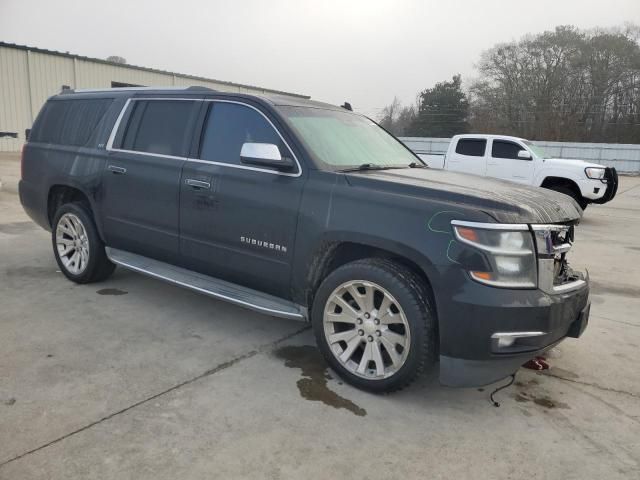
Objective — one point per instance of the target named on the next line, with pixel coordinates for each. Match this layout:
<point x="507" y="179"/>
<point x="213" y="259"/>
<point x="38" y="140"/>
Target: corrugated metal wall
<point x="15" y="100"/>
<point x="29" y="77"/>
<point x="624" y="157"/>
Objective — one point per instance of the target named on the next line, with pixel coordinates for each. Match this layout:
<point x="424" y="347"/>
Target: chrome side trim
<point x="114" y="130"/>
<point x="116" y="127"/>
<point x="492" y="226"/>
<point x="157" y="155"/>
<point x="258" y="308"/>
<point x="569" y="287"/>
<point x="197" y="183"/>
<point x="126" y="89"/>
<point x="550" y="227"/>
<point x="517" y="334"/>
<point x="245" y="167"/>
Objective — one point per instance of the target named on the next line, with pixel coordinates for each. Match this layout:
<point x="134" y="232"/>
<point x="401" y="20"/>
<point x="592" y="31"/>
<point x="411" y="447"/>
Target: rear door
<point x="469" y="156"/>
<point x="238" y="222"/>
<point x="504" y="163"/>
<point x="141" y="181"/>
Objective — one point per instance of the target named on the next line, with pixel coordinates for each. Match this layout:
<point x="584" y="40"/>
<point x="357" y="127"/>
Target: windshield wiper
<point x="371" y="166"/>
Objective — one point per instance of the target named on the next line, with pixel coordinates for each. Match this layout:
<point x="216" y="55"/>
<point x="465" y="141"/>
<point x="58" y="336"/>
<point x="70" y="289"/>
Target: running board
<point x="229" y="292"/>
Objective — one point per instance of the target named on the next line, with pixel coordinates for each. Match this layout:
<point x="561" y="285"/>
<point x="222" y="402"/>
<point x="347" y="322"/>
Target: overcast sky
<point x="363" y="51"/>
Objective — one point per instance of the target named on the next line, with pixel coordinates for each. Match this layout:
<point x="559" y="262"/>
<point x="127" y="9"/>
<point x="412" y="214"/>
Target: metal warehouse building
<point x="28" y="76"/>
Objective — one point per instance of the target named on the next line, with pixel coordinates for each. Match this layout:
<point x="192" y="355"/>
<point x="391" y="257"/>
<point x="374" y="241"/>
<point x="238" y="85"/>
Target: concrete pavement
<point x="134" y="378"/>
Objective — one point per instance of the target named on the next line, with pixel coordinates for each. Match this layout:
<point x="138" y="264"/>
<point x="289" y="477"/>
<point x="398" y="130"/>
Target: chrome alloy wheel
<point x="366" y="329"/>
<point x="72" y="244"/>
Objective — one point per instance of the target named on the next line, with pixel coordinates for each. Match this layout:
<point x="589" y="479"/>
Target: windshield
<point x="537" y="151"/>
<point x="341" y="140"/>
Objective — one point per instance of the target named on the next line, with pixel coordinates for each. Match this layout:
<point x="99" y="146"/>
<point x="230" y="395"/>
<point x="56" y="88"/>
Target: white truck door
<point x="503" y="162"/>
<point x="468" y="155"/>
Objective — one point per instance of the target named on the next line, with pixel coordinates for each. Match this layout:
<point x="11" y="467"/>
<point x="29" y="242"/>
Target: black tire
<point x="98" y="266"/>
<point x="410" y="292"/>
<point x="573" y="194"/>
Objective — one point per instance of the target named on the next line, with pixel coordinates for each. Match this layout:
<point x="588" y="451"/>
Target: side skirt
<point x="214" y="287"/>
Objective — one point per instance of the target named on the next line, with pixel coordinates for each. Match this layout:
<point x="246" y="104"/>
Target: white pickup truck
<point x="519" y="160"/>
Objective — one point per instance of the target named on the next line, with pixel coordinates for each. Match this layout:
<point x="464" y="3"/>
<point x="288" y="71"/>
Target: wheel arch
<point x="60" y="194"/>
<point x="552" y="181"/>
<point x="333" y="253"/>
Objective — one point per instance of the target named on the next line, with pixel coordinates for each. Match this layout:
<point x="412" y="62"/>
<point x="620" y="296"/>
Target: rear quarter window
<point x="473" y="147"/>
<point x="69" y="122"/>
<point x="159" y="126"/>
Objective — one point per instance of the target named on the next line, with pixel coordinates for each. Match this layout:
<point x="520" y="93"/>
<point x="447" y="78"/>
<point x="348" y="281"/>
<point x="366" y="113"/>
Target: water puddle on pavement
<point x="111" y="291"/>
<point x="524" y="395"/>
<point x="313" y="385"/>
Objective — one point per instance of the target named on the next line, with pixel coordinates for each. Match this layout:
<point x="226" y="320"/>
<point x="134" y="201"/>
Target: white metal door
<point x="468" y="156"/>
<point x="503" y="162"/>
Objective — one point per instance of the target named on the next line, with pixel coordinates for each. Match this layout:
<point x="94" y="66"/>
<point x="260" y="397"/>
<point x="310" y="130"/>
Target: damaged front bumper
<point x="509" y="327"/>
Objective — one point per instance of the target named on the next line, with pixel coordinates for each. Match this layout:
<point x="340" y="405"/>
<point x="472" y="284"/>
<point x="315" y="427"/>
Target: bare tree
<point x="116" y="59"/>
<point x="397" y="118"/>
<point x="562" y="85"/>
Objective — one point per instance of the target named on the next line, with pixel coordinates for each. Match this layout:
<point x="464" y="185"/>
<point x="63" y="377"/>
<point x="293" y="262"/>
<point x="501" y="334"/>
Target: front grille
<point x="553" y="243"/>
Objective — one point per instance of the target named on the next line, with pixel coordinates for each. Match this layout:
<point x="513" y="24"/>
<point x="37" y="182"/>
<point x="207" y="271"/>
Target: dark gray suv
<point x="307" y="211"/>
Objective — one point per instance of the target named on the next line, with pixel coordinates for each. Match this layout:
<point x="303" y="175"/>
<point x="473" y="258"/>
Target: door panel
<point x="469" y="157"/>
<point x="141" y="180"/>
<point x="241" y="228"/>
<point x="504" y="163"/>
<point x="141" y="204"/>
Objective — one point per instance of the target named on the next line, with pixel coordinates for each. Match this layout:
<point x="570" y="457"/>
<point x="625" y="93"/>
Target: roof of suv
<point x="273" y="99"/>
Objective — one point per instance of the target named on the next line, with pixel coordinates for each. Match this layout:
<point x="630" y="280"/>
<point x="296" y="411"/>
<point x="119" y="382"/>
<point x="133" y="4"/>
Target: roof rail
<point x="66" y="91"/>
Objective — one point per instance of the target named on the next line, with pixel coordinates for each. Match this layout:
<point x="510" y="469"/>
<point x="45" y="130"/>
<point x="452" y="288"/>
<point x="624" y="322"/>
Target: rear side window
<point x="69" y="122"/>
<point x="159" y="126"/>
<point x="228" y="126"/>
<point x="504" y="149"/>
<point x="473" y="147"/>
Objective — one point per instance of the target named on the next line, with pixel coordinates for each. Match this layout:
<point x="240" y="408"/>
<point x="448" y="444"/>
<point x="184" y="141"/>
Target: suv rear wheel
<point x="374" y="324"/>
<point x="77" y="246"/>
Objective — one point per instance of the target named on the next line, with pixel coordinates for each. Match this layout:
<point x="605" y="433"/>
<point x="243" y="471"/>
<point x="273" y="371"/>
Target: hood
<point x="505" y="201"/>
<point x="566" y="162"/>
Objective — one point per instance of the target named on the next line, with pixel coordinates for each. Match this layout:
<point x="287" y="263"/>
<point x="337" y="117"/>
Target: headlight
<point x="594" y="172"/>
<point x="509" y="249"/>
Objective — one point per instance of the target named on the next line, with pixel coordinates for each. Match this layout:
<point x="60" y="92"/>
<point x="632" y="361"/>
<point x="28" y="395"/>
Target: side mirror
<point x="264" y="155"/>
<point x="524" y="155"/>
<point x="27" y="134"/>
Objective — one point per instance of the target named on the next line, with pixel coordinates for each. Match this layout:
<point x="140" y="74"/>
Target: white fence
<point x="624" y="157"/>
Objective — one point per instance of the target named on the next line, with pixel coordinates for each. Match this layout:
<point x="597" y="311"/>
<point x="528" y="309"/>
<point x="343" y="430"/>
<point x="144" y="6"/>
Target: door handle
<point x="197" y="184"/>
<point x="117" y="170"/>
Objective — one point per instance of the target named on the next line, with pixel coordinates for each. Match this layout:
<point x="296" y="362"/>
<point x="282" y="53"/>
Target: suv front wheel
<point x="374" y="324"/>
<point x="77" y="246"/>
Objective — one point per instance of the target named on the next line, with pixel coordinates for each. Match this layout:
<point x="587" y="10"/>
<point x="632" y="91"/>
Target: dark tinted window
<point x="69" y="122"/>
<point x="472" y="147"/>
<point x="159" y="126"/>
<point x="228" y="126"/>
<point x="503" y="149"/>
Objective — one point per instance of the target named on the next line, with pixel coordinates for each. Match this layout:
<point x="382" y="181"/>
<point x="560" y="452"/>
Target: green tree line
<point x="564" y="85"/>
